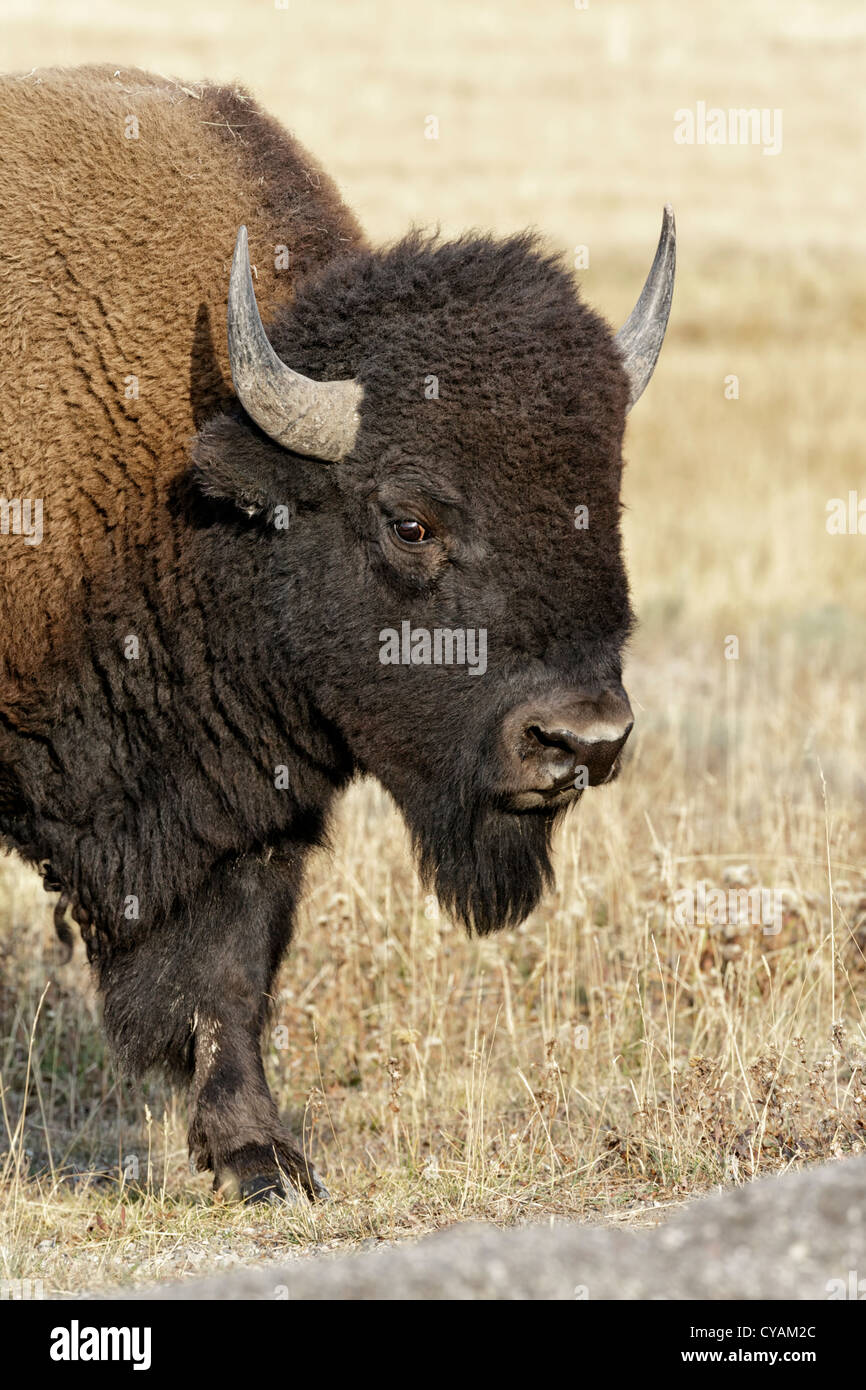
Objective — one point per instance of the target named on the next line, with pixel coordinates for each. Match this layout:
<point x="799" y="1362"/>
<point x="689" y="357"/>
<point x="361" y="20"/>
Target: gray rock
<point x="785" y="1237"/>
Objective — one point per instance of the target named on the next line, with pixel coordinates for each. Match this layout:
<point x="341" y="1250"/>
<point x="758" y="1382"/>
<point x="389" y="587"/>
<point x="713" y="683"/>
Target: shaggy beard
<point x="488" y="867"/>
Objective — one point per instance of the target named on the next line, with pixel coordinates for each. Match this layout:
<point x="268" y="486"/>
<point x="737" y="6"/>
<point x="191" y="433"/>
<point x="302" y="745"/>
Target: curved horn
<point x="317" y="418"/>
<point x="641" y="336"/>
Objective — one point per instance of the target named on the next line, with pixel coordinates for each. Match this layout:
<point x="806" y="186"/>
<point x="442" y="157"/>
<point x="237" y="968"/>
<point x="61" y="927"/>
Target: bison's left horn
<point x="317" y="418"/>
<point x="641" y="336"/>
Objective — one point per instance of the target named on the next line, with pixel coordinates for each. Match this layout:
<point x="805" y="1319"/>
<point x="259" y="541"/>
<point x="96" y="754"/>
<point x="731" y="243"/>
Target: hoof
<point x="286" y="1187"/>
<point x="262" y="1173"/>
<point x="262" y="1188"/>
<point x="320" y="1192"/>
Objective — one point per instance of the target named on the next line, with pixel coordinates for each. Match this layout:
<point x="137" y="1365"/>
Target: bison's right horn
<point x="641" y="336"/>
<point x="317" y="418"/>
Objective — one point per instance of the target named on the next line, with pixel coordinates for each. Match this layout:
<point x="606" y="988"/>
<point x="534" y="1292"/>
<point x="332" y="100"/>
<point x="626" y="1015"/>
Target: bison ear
<point x="230" y="463"/>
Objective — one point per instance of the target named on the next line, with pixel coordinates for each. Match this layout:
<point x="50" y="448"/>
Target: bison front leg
<point x="197" y="991"/>
<point x="236" y="1130"/>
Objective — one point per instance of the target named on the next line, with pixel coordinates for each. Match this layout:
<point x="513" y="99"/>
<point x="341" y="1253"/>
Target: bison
<point x="379" y="536"/>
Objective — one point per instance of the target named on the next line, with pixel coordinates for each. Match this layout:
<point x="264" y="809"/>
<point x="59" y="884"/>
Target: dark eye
<point x="412" y="532"/>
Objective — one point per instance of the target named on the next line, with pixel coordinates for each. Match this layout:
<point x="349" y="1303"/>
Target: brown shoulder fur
<point x="113" y="281"/>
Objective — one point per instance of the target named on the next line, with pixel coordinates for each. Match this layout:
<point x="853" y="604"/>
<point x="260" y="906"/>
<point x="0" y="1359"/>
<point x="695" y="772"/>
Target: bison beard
<point x="488" y="867"/>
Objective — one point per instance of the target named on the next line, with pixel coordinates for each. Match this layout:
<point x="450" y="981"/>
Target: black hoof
<point x="269" y="1173"/>
<point x="264" y="1189"/>
<point x="320" y="1192"/>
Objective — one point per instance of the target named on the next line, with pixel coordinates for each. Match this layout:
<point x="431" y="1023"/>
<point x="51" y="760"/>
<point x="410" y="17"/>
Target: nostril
<point x="555" y="754"/>
<point x="558" y="752"/>
<point x="562" y="740"/>
<point x="539" y="735"/>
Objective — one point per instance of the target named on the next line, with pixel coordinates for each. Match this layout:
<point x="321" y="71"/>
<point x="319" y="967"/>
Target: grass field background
<point x="603" y="1061"/>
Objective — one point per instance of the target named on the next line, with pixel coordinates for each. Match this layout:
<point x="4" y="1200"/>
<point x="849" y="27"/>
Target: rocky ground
<point x="799" y="1236"/>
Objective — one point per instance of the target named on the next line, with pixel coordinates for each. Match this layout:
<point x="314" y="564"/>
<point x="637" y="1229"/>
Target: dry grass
<point x="603" y="1061"/>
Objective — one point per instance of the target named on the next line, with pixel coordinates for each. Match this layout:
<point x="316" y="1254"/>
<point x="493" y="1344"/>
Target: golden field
<point x="605" y="1061"/>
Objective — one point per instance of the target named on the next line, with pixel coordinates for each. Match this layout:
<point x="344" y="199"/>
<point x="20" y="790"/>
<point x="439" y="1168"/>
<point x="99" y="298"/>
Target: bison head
<point x="432" y="436"/>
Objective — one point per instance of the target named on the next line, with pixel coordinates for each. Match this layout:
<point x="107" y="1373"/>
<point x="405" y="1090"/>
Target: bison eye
<point x="412" y="532"/>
